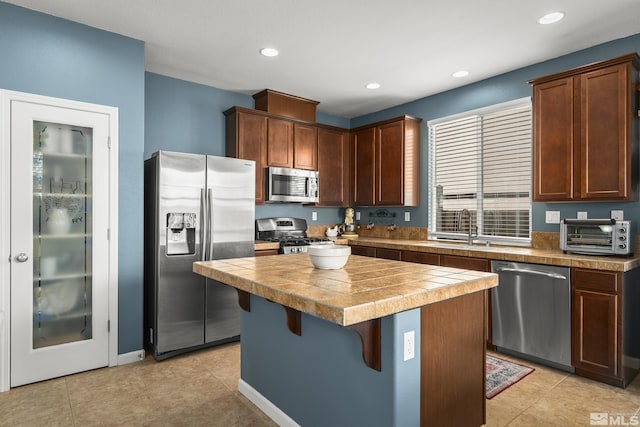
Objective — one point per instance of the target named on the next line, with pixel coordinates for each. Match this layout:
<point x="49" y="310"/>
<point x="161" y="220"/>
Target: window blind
<point x="480" y="174"/>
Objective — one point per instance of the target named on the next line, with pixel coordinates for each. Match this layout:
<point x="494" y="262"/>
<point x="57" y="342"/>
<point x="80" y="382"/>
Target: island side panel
<point x="453" y="362"/>
<point x="320" y="379"/>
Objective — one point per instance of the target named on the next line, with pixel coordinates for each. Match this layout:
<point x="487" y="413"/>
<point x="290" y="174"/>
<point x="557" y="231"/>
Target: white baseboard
<point x="265" y="405"/>
<point x="134" y="356"/>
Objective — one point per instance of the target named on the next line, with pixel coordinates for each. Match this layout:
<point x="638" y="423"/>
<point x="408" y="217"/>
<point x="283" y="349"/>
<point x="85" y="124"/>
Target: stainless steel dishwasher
<point x="531" y="312"/>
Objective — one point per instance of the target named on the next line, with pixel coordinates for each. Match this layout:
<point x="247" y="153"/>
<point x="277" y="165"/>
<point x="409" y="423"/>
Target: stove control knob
<point x="622" y="246"/>
<point x="622" y="238"/>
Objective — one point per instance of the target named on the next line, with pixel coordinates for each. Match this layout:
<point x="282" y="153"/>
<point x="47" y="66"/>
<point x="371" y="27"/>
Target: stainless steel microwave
<point x="292" y="185"/>
<point x="596" y="237"/>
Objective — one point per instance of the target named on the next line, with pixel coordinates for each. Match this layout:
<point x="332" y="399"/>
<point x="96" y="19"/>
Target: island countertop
<point x="364" y="289"/>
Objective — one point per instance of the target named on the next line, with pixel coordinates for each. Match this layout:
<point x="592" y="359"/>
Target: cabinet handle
<point x="534" y="272"/>
<point x="22" y="257"/>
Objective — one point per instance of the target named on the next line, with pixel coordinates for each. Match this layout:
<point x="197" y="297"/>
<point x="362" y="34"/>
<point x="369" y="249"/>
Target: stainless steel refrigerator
<point x="197" y="207"/>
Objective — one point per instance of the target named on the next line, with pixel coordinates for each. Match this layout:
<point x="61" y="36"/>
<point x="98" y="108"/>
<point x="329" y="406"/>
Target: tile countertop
<point x="364" y="289"/>
<point x="507" y="253"/>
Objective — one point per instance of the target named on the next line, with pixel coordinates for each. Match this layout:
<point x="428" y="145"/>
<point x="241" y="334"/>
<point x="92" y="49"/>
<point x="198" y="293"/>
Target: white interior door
<point x="59" y="224"/>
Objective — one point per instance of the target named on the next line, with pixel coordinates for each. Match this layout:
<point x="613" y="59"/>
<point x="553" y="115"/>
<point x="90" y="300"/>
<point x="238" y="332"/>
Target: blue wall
<point x="320" y="379"/>
<point x="49" y="56"/>
<point x="505" y="87"/>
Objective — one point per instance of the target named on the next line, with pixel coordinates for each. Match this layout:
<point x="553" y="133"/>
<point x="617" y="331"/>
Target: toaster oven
<point x="596" y="237"/>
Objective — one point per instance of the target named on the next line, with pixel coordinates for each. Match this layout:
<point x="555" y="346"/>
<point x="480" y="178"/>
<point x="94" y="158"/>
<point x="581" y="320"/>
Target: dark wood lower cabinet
<point x="453" y="363"/>
<point x="421" y="257"/>
<point x="393" y="254"/>
<point x="605" y="325"/>
<point x="265" y="252"/>
<point x="363" y="250"/>
<point x="468" y="263"/>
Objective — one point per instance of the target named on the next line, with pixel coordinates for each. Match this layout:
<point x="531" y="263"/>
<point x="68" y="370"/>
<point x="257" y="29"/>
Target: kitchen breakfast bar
<point x="375" y="343"/>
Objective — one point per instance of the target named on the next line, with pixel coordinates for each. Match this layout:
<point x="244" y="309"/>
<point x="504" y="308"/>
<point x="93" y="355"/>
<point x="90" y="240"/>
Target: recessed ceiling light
<point x="461" y="73"/>
<point x="269" y="51"/>
<point x="373" y="85"/>
<point x="550" y="18"/>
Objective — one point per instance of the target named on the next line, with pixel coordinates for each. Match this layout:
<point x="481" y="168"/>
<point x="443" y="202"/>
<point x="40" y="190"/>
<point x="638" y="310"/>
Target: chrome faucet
<point x="470" y="236"/>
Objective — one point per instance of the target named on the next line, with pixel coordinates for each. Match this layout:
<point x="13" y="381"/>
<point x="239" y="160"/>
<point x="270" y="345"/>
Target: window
<point x="480" y="174"/>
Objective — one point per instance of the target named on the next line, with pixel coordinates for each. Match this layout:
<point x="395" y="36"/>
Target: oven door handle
<point x="534" y="272"/>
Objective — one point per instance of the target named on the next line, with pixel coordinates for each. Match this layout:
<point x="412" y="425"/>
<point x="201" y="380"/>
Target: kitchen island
<point x="376" y="343"/>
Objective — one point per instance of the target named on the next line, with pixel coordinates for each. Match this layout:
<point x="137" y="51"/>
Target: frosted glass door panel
<point x="62" y="192"/>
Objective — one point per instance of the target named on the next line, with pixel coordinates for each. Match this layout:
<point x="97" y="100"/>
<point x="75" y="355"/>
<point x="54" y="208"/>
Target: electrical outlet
<point x="552" y="217"/>
<point x="617" y="215"/>
<point x="407" y="216"/>
<point x="582" y="215"/>
<point x="314" y="216"/>
<point x="409" y="345"/>
<point x="357" y="216"/>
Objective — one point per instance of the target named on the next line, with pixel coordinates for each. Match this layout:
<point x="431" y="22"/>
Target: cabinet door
<point x="595" y="315"/>
<point x="605" y="160"/>
<point x="364" y="167"/>
<point x="333" y="167"/>
<point x="250" y="144"/>
<point x="389" y="161"/>
<point x="279" y="143"/>
<point x="553" y="155"/>
<point x="305" y="147"/>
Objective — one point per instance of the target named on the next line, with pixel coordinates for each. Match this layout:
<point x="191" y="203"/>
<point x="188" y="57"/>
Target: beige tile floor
<point x="200" y="389"/>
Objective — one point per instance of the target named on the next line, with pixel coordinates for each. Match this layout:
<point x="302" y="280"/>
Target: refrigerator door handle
<point x="210" y="221"/>
<point x="203" y="224"/>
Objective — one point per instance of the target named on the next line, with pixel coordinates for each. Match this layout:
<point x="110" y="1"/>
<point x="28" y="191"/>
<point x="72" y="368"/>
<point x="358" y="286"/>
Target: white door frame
<point x="5" y="220"/>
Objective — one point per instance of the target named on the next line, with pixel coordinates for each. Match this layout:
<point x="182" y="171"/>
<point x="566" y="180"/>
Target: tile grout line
<point x="540" y="397"/>
<point x="66" y="386"/>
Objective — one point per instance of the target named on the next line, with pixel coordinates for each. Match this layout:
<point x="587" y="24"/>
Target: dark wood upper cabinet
<point x="333" y="167"/>
<point x="586" y="132"/>
<point x="305" y="146"/>
<point x="246" y="138"/>
<point x="364" y="166"/>
<point x="390" y="166"/>
<point x="279" y="143"/>
<point x="387" y="162"/>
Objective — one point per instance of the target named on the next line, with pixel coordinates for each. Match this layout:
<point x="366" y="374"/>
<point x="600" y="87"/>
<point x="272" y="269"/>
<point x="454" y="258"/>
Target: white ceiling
<point x="329" y="49"/>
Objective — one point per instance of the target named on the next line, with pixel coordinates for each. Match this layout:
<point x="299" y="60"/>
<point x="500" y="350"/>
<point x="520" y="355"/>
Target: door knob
<point x="22" y="257"/>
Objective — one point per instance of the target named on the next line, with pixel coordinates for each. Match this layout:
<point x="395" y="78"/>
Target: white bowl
<point x="329" y="257"/>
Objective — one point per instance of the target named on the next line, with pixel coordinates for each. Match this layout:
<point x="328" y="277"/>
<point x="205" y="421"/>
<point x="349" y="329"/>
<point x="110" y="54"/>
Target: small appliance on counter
<point x="597" y="236"/>
<point x="291" y="233"/>
<point x="348" y="229"/>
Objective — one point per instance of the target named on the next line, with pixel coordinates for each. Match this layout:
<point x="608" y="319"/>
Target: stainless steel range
<point x="291" y="233"/>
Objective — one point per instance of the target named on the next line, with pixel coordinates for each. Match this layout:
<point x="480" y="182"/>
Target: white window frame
<point x="433" y="196"/>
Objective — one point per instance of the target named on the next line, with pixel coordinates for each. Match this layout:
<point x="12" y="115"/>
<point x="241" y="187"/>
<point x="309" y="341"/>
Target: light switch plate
<point x="407" y="216"/>
<point x="357" y="216"/>
<point x="582" y="215"/>
<point x="314" y="216"/>
<point x="552" y="217"/>
<point x="617" y="215"/>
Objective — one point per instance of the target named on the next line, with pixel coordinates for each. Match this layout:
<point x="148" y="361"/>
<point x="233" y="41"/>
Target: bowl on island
<point x="329" y="257"/>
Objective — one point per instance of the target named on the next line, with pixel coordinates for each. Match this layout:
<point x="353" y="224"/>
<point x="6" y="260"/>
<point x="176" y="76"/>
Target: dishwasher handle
<point x="535" y="272"/>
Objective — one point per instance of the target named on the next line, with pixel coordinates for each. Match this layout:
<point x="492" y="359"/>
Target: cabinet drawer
<point x="394" y="254"/>
<point x="421" y="257"/>
<point x="478" y="264"/>
<point x="363" y="250"/>
<point x="608" y="281"/>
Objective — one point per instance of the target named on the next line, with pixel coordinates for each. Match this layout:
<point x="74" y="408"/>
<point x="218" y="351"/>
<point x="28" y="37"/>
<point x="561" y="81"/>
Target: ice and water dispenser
<point x="181" y="233"/>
